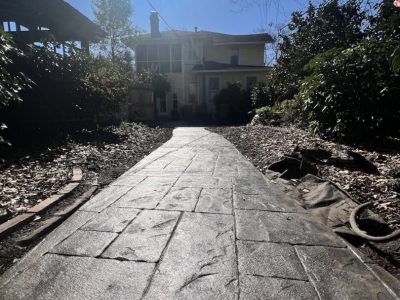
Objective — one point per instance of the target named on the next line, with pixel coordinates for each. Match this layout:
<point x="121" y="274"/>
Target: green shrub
<point x="11" y="83"/>
<point x="352" y="94"/>
<point x="259" y="96"/>
<point x="394" y="171"/>
<point x="77" y="90"/>
<point x="233" y="104"/>
<point x="265" y="116"/>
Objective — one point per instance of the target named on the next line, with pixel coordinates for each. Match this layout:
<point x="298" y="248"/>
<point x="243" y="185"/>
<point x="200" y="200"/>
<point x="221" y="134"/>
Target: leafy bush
<point x="11" y="84"/>
<point x="158" y="81"/>
<point x="330" y="25"/>
<point x="260" y="96"/>
<point x="265" y="116"/>
<point x="287" y="112"/>
<point x="74" y="90"/>
<point x="352" y="93"/>
<point x="233" y="103"/>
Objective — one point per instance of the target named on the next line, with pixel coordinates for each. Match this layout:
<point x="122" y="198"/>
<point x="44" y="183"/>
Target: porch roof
<point x="63" y="22"/>
<point x="212" y="66"/>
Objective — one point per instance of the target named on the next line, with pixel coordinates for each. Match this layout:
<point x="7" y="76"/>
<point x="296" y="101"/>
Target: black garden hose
<point x="363" y="234"/>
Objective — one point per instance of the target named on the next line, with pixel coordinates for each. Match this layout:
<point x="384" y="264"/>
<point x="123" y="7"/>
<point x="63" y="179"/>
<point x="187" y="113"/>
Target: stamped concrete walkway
<point x="193" y="220"/>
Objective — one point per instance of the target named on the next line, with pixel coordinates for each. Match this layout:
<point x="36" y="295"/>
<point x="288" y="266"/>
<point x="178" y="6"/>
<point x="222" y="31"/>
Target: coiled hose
<point x="363" y="234"/>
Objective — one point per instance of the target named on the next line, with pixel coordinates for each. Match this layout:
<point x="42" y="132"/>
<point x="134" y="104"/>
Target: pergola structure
<point x="31" y="21"/>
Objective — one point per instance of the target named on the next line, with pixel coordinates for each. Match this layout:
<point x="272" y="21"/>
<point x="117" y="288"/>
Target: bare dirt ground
<point x="29" y="175"/>
<point x="264" y="145"/>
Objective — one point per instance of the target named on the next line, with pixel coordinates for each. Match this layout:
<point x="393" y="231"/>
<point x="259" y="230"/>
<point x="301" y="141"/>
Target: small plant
<point x="394" y="171"/>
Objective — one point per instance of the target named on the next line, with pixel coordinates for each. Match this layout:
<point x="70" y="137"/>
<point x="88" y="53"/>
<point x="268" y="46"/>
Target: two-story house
<point x="199" y="64"/>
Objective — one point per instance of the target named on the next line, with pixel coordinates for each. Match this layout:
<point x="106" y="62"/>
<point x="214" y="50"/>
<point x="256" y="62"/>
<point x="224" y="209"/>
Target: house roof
<point x="64" y="22"/>
<point x="216" y="37"/>
<point x="216" y="66"/>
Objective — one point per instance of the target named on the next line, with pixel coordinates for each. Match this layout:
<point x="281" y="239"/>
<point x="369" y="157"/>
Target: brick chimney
<point x="154" y="24"/>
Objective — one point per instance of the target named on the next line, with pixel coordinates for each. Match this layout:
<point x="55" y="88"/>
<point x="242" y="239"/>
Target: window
<point x="176" y="66"/>
<point x="152" y="53"/>
<point x="234" y="56"/>
<point x="165" y="67"/>
<point x="141" y="53"/>
<point x="250" y="82"/>
<point x="176" y="51"/>
<point x="164" y="51"/>
<point x="165" y="58"/>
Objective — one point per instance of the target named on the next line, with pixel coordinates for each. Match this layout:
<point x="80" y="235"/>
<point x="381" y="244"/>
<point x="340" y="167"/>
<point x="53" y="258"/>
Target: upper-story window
<point x="234" y="56"/>
<point x="165" y="58"/>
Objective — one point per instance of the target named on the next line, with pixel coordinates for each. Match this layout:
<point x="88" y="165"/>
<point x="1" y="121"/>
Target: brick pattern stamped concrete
<point x="193" y="220"/>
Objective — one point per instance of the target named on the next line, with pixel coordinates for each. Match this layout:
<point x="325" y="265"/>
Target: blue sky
<point x="213" y="15"/>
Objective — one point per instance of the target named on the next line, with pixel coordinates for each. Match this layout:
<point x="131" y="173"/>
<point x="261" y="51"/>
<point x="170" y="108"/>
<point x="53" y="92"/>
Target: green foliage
<point x="265" y="116"/>
<point x="115" y="18"/>
<point x="335" y="75"/>
<point x="289" y="112"/>
<point x="106" y="84"/>
<point x="330" y="25"/>
<point x="259" y="96"/>
<point x="354" y="94"/>
<point x="10" y="84"/>
<point x="233" y="103"/>
<point x="79" y="89"/>
<point x="158" y="81"/>
<point x="394" y="171"/>
<point x="396" y="60"/>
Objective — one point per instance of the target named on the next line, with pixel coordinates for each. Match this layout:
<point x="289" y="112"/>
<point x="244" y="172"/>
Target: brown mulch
<point x="103" y="155"/>
<point x="264" y="145"/>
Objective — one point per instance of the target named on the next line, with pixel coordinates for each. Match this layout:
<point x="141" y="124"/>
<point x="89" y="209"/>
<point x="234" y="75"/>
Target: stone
<point x="145" y="238"/>
<point x="202" y="163"/>
<point x="144" y="196"/>
<point x="193" y="180"/>
<point x="129" y="180"/>
<point x="269" y="260"/>
<point x="65" y="278"/>
<point x="112" y="219"/>
<point x="105" y="198"/>
<point x="215" y="201"/>
<point x="278" y="227"/>
<point x="348" y="277"/>
<point x="159" y="181"/>
<point x="270" y="201"/>
<point x="53" y="238"/>
<point x="183" y="199"/>
<point x="85" y="243"/>
<point x="199" y="262"/>
<point x="258" y="287"/>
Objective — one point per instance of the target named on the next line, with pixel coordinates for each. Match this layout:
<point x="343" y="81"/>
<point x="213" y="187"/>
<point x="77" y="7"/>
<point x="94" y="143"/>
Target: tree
<point x="327" y="26"/>
<point x="115" y="18"/>
<point x="12" y="81"/>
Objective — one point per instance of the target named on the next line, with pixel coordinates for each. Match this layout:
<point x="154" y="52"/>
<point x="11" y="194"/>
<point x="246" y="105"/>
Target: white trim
<point x="231" y="70"/>
<point x="241" y="43"/>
